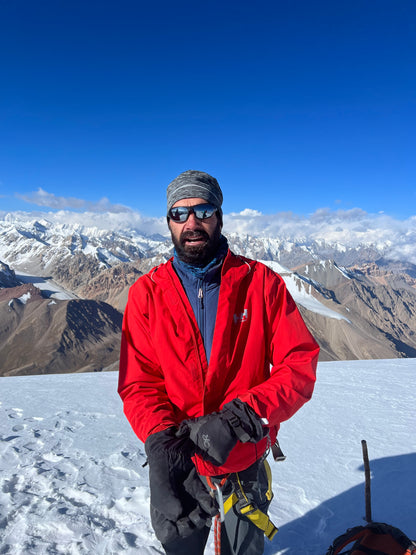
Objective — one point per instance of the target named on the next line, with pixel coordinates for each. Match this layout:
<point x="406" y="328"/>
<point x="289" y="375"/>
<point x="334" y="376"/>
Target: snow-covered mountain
<point x="44" y="239"/>
<point x="72" y="480"/>
<point x="41" y="245"/>
<point x="358" y="302"/>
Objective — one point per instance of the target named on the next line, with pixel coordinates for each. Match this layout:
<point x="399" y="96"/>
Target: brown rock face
<point x="43" y="336"/>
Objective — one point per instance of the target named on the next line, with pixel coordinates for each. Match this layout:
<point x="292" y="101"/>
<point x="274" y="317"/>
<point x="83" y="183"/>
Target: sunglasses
<point x="202" y="212"/>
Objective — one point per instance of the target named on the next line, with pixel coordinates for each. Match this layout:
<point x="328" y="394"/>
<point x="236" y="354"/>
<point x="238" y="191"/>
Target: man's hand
<point x="179" y="500"/>
<point x="215" y="434"/>
<point x="199" y="508"/>
<point x="170" y="463"/>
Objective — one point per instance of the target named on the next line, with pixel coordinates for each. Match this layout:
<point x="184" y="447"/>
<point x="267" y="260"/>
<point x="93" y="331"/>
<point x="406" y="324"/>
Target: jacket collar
<point x="235" y="267"/>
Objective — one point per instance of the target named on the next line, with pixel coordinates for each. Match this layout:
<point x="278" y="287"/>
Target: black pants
<point x="239" y="536"/>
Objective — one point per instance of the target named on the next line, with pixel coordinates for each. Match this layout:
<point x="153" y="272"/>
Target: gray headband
<point x="194" y="184"/>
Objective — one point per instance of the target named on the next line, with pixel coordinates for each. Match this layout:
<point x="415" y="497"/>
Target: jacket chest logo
<point x="242" y="317"/>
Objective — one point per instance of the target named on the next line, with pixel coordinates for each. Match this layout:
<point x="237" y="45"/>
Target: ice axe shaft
<point x="367" y="474"/>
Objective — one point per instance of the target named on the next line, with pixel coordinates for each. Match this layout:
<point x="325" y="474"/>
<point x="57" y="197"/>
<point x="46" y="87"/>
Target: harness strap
<point x="243" y="506"/>
<point x="256" y="516"/>
<point x="269" y="492"/>
<point x="250" y="510"/>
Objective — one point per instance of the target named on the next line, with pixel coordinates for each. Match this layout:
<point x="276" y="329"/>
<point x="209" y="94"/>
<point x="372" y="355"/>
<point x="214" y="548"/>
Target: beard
<point x="197" y="255"/>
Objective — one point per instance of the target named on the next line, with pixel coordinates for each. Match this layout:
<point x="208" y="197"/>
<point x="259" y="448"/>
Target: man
<point x="214" y="356"/>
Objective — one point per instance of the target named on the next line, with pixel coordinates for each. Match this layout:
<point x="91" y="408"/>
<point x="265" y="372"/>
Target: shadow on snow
<point x="393" y="486"/>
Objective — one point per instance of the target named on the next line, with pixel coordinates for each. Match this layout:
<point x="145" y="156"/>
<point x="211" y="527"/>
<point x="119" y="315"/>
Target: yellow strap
<point x="261" y="520"/>
<point x="269" y="492"/>
<point x="230" y="502"/>
<point x="257" y="517"/>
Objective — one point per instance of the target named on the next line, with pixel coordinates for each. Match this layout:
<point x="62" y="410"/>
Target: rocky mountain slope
<point x="378" y="316"/>
<point x="357" y="303"/>
<point x="7" y="277"/>
<point x="41" y="335"/>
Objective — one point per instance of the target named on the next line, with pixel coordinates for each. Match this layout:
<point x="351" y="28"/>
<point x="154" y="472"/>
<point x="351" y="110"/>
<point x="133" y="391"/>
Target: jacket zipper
<point x="201" y="311"/>
<point x="201" y="296"/>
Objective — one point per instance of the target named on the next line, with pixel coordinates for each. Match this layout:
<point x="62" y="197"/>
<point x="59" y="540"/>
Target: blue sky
<point x="293" y="105"/>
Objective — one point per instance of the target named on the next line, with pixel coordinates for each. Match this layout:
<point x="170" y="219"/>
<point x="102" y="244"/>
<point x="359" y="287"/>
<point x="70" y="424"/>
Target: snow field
<point x="72" y="481"/>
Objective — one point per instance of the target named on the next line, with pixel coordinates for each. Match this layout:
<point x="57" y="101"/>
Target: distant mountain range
<point x="63" y="288"/>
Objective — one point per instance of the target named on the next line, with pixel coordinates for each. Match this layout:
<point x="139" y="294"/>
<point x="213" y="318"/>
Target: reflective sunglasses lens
<point x="179" y="214"/>
<point x="203" y="211"/>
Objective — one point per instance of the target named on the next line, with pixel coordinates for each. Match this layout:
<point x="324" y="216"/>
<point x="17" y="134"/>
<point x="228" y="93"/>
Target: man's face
<point x="196" y="241"/>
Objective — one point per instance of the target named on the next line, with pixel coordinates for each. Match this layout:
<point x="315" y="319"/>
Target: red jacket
<point x="262" y="353"/>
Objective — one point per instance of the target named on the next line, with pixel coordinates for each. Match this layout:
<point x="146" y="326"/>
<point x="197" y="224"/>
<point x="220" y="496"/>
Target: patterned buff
<point x="195" y="184"/>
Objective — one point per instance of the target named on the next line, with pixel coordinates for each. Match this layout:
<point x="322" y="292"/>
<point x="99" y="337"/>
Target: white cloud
<point x="114" y="221"/>
<point x="50" y="200"/>
<point x="110" y="221"/>
<point x="348" y="228"/>
<point x="319" y="225"/>
<point x="345" y="227"/>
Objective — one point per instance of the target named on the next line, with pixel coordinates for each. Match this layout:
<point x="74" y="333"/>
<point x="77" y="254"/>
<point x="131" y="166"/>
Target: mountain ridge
<point x="358" y="303"/>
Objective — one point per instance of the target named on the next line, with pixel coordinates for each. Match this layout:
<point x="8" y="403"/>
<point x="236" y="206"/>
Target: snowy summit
<point x="72" y="480"/>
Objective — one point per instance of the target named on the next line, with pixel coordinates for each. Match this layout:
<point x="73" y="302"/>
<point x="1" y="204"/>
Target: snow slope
<point x="72" y="482"/>
<point x="48" y="286"/>
<point x="300" y="289"/>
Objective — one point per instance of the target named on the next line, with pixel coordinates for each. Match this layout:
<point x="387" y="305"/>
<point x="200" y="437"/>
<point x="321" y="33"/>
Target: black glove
<point x="199" y="508"/>
<point x="179" y="500"/>
<point x="215" y="434"/>
<point x="170" y="463"/>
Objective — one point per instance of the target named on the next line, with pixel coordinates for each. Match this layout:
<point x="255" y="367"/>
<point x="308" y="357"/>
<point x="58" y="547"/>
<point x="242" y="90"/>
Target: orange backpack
<point x="375" y="538"/>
